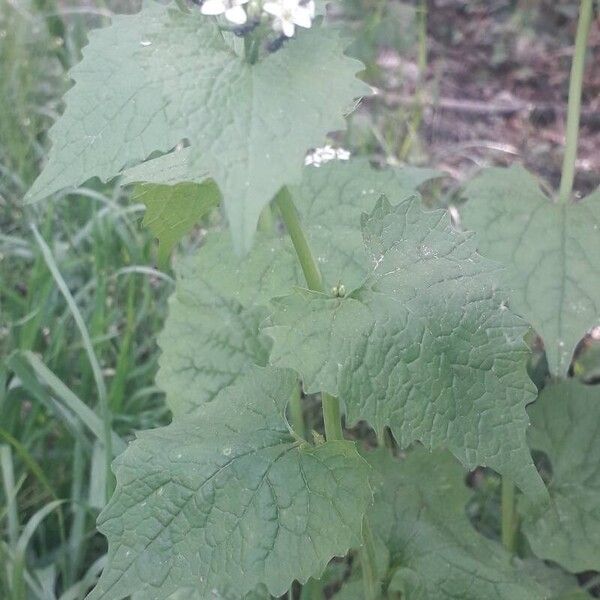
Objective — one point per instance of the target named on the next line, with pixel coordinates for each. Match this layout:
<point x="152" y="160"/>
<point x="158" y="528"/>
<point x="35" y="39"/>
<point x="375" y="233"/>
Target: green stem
<point x="417" y="110"/>
<point x="574" y="108"/>
<point x="312" y="274"/>
<point x="290" y="217"/>
<point x="331" y="417"/>
<point x="368" y="562"/>
<point x="251" y="47"/>
<point x="509" y="516"/>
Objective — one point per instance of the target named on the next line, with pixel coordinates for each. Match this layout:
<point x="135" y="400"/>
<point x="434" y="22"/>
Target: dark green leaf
<point x="427" y="346"/>
<point x="419" y="512"/>
<point x="230" y="499"/>
<point x="566" y="427"/>
<point x="211" y="336"/>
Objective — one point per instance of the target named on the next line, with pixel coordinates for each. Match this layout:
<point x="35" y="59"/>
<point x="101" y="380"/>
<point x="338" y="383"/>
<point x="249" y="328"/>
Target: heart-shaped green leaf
<point x="230" y="499"/>
<point x="551" y="252"/>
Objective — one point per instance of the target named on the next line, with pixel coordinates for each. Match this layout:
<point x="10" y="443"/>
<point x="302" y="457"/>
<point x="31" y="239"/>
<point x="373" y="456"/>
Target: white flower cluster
<point x="285" y="14"/>
<point x="320" y="156"/>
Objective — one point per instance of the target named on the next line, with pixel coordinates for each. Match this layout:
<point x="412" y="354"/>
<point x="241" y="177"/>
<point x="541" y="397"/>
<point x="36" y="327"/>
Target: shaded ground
<point x="495" y="88"/>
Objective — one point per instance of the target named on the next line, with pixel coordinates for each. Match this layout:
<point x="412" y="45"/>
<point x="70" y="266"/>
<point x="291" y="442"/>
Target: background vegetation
<point x="460" y="85"/>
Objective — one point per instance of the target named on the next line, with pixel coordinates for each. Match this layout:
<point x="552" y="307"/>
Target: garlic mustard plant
<point x="405" y="332"/>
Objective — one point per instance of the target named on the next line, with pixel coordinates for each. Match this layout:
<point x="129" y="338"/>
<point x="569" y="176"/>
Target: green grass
<point x="79" y="313"/>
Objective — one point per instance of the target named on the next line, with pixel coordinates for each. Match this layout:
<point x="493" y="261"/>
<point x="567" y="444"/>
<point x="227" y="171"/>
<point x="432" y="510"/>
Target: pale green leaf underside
<point x="211" y="335"/>
<point x="426" y="346"/>
<point x="566" y="426"/>
<point x="168" y="169"/>
<point x="419" y="512"/>
<point x="229" y="499"/>
<point x="173" y="210"/>
<point x="153" y="79"/>
<point x="551" y="251"/>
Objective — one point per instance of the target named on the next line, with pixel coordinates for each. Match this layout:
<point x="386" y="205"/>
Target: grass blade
<point x="87" y="416"/>
<point x="89" y="348"/>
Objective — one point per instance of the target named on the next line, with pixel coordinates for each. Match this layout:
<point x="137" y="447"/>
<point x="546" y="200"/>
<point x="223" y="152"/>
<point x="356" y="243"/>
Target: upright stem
<point x="509" y="516"/>
<point x="332" y="417"/>
<point x="312" y="274"/>
<point x="368" y="561"/>
<point x="292" y="222"/>
<point x="417" y="110"/>
<point x="574" y="109"/>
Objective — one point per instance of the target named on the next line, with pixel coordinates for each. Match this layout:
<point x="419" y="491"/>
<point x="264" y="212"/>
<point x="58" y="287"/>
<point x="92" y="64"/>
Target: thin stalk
<point x="574" y="108"/>
<point x="251" y="47"/>
<point x="290" y="217"/>
<point x="417" y="115"/>
<point x="368" y="563"/>
<point x="332" y="417"/>
<point x="509" y="516"/>
<point x="312" y="274"/>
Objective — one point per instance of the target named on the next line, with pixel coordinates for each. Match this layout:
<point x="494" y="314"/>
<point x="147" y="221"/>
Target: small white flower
<point x="323" y="155"/>
<point x="233" y="10"/>
<point x="289" y="13"/>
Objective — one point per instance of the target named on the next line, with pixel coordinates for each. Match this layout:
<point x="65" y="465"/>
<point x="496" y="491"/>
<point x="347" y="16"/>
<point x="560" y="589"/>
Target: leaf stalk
<point x="509" y="516"/>
<point x="574" y="107"/>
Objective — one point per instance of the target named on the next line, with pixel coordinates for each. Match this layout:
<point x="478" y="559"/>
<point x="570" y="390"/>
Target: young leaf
<point x="426" y="346"/>
<point x="229" y="499"/>
<point x="551" y="251"/>
<point x="565" y="421"/>
<point x="212" y="336"/>
<point x="419" y="512"/>
<point x="172" y="211"/>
